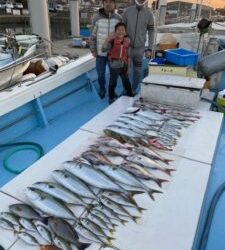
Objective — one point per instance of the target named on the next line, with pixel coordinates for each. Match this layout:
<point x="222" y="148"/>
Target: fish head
<point x="32" y="194"/>
<point x="58" y="173"/>
<point x="39" y="184"/>
<point x="16" y="208"/>
<point x="69" y="165"/>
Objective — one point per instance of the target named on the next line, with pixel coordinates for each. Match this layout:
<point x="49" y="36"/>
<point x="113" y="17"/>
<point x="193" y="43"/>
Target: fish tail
<point x="151" y="192"/>
<point x="109" y="239"/>
<point x="135" y="218"/>
<point x="123" y="222"/>
<point x="82" y="246"/>
<point x="160" y="181"/>
<point x="135" y="192"/>
<point x="104" y="245"/>
<point x="169" y="170"/>
<point x="141" y="209"/>
<point x="114" y="225"/>
<point x="167" y="161"/>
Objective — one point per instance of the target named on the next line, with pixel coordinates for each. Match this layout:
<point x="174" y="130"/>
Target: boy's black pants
<point x="114" y="74"/>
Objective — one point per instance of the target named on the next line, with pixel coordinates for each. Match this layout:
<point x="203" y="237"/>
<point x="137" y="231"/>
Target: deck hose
<point x="22" y="146"/>
<point x="209" y="217"/>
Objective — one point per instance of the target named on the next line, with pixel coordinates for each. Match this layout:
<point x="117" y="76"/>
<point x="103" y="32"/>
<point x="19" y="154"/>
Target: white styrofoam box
<point x="177" y="90"/>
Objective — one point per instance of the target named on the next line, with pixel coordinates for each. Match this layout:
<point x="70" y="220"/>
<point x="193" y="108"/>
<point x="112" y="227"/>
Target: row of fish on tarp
<point x="127" y="161"/>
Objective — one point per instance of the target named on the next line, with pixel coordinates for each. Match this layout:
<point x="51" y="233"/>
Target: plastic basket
<point x="158" y="61"/>
<point x="181" y="57"/>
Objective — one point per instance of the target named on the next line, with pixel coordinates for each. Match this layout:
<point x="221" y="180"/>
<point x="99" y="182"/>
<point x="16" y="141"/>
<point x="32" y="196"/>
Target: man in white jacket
<point x="102" y="25"/>
<point x="139" y="20"/>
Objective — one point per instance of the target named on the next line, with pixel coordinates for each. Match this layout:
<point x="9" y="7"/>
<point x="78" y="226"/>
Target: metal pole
<point x="74" y="18"/>
<point x="39" y="19"/>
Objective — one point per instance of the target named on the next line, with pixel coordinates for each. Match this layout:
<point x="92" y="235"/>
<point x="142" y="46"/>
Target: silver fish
<point x="59" y="192"/>
<point x="90" y="225"/>
<point x="29" y="239"/>
<point x="65" y="231"/>
<point x="121" y="124"/>
<point x="100" y="222"/>
<point x="105" y="150"/>
<point x="111" y="142"/>
<point x="27" y="224"/>
<point x="109" y="213"/>
<point x="84" y="232"/>
<point x="151" y="115"/>
<point x="10" y="217"/>
<point x="125" y="177"/>
<point x="134" y="123"/>
<point x="121" y="199"/>
<point x="148" y="163"/>
<point x="142" y="172"/>
<point x="97" y="212"/>
<point x="91" y="176"/>
<point x="6" y="225"/>
<point x="117" y="208"/>
<point x="151" y="154"/>
<point x="74" y="184"/>
<point x="95" y="158"/>
<point x="43" y="230"/>
<point x="61" y="243"/>
<point x="48" y="204"/>
<point x="25" y="211"/>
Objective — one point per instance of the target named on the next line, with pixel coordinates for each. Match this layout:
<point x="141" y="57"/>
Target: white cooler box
<point x="177" y="90"/>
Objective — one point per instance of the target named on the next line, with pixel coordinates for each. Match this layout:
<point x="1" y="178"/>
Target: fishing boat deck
<point x="179" y="205"/>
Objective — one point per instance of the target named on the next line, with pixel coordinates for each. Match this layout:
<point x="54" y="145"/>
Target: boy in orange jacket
<point x="117" y="46"/>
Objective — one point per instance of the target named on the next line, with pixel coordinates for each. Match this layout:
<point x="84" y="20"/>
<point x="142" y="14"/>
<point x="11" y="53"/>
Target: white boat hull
<point x="13" y="71"/>
<point x="13" y="74"/>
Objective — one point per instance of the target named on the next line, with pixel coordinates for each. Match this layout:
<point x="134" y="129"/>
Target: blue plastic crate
<point x="181" y="57"/>
<point x="158" y="61"/>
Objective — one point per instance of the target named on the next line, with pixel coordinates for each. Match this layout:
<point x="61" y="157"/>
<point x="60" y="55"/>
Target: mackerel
<point x="91" y="176"/>
<point x="25" y="211"/>
<point x="93" y="227"/>
<point x="100" y="222"/>
<point x="61" y="243"/>
<point x="6" y="225"/>
<point x="59" y="192"/>
<point x="74" y="184"/>
<point x="43" y="230"/>
<point x="10" y="217"/>
<point x="27" y="224"/>
<point x="48" y="204"/>
<point x="117" y="208"/>
<point x="29" y="239"/>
